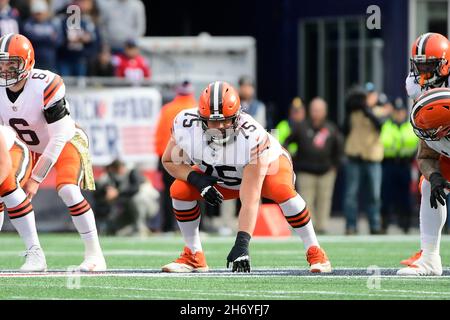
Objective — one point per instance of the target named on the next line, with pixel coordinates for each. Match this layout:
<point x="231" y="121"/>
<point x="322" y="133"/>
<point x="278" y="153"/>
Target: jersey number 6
<point x="27" y="136"/>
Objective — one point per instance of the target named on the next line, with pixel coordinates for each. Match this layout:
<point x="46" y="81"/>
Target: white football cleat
<point x="92" y="263"/>
<point x="426" y="265"/>
<point x="34" y="260"/>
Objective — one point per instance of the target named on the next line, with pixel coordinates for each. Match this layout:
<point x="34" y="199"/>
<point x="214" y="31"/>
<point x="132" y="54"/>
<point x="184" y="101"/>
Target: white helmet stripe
<point x="420" y="45"/>
<point x="216" y="97"/>
<point x="5" y="41"/>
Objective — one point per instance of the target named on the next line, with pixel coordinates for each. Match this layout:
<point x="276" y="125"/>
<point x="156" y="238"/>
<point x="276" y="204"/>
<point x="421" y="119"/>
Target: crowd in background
<point x="81" y="37"/>
<point x="371" y="158"/>
<point x="369" y="163"/>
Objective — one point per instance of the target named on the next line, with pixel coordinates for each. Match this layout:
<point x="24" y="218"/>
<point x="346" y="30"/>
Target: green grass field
<point x="279" y="270"/>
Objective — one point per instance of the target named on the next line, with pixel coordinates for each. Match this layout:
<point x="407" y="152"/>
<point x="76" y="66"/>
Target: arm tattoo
<point x="427" y="159"/>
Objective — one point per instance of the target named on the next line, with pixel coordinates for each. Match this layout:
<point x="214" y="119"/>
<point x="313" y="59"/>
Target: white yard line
<point x="252" y="293"/>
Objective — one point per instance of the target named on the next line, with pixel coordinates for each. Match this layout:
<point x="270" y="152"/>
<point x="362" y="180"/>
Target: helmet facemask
<point x="220" y="136"/>
<point x="12" y="69"/>
<point x="432" y="134"/>
<point x="427" y="72"/>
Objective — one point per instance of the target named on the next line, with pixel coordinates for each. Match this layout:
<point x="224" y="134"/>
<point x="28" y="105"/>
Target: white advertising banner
<point x="120" y="122"/>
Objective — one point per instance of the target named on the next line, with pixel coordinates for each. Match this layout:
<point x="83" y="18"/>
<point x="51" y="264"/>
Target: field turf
<point x="364" y="269"/>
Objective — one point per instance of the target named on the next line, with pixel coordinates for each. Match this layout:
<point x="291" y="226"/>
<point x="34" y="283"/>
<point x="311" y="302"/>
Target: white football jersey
<point x="225" y="161"/>
<point x="413" y="89"/>
<point x="440" y="146"/>
<point x="25" y="115"/>
<point x="9" y="135"/>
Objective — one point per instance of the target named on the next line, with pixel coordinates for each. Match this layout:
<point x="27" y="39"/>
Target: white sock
<point x="431" y="221"/>
<point x="82" y="217"/>
<point x="187" y="214"/>
<point x="297" y="215"/>
<point x="21" y="215"/>
<point x="2" y="217"/>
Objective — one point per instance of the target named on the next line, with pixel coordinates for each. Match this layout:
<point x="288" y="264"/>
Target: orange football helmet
<point x="16" y="59"/>
<point x="219" y="101"/>
<point x="429" y="59"/>
<point x="430" y="114"/>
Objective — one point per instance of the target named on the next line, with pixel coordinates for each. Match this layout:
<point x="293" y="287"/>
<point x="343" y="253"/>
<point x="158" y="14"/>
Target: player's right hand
<point x="438" y="186"/>
<point x="205" y="185"/>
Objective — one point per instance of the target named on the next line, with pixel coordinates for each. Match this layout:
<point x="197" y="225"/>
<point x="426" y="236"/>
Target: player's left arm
<point x="250" y="195"/>
<point x="61" y="128"/>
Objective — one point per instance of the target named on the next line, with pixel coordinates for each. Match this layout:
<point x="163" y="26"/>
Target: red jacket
<point x="132" y="68"/>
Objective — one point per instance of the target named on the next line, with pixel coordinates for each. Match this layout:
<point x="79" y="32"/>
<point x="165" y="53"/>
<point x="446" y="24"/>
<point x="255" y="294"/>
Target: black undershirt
<point x="12" y="96"/>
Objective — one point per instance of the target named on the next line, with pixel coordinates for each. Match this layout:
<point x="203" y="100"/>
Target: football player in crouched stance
<point x="430" y="69"/>
<point x="33" y="103"/>
<point x="15" y="170"/>
<point x="233" y="157"/>
<point x="430" y="118"/>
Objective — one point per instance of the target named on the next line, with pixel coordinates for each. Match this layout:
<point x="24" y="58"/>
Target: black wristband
<point x="242" y="239"/>
<point x="194" y="178"/>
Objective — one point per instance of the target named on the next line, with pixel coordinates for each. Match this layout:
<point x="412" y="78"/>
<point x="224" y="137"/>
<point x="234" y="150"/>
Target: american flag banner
<point x="119" y="122"/>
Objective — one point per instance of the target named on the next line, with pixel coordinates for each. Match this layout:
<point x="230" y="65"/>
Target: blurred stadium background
<point x="290" y="48"/>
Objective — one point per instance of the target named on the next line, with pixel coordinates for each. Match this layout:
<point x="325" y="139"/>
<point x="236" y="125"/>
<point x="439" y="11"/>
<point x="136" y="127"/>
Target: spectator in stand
<point x="130" y="14"/>
<point x="364" y="151"/>
<point x="321" y="151"/>
<point x="131" y="64"/>
<point x="23" y="6"/>
<point x="82" y="43"/>
<point x="102" y="66"/>
<point x="124" y="200"/>
<point x="284" y="128"/>
<point x="45" y="33"/>
<point x="9" y="18"/>
<point x="378" y="101"/>
<point x="249" y="103"/>
<point x="59" y="6"/>
<point x="400" y="148"/>
<point x="184" y="99"/>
